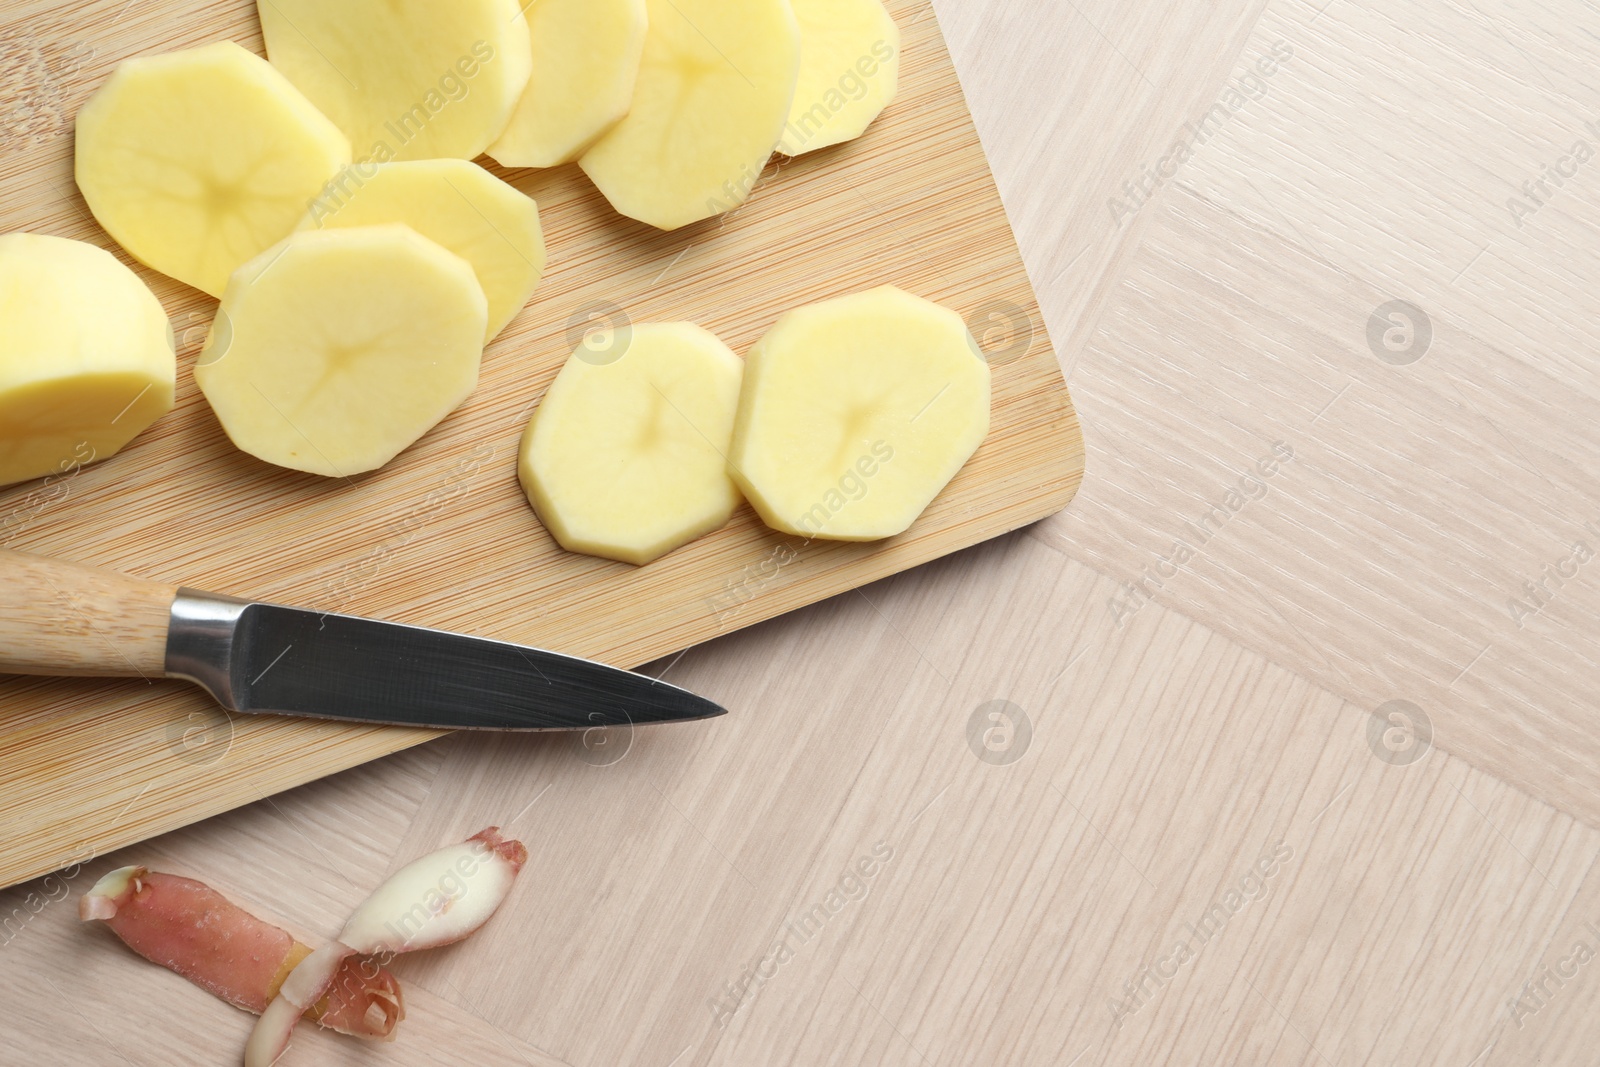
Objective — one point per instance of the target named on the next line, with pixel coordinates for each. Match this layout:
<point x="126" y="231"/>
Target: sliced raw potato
<point x="197" y="161"/>
<point x="455" y="204"/>
<point x="626" y="455"/>
<point x="849" y="72"/>
<point x="713" y="94"/>
<point x="405" y="79"/>
<point x="86" y="356"/>
<point x="342" y="347"/>
<point x="856" y="412"/>
<point x="585" y="61"/>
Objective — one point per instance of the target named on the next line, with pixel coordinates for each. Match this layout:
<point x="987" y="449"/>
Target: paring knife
<point x="61" y="618"/>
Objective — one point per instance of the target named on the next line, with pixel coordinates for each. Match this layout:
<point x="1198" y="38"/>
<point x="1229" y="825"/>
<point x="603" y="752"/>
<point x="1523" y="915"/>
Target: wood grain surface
<point x="1319" y="791"/>
<point x="61" y="618"/>
<point x="443" y="537"/>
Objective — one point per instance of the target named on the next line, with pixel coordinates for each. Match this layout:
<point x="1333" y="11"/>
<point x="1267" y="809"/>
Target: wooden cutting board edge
<point x="340" y="748"/>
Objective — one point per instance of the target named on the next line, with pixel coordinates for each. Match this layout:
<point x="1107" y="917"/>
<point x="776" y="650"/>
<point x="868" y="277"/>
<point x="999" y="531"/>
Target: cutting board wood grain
<point x="443" y="536"/>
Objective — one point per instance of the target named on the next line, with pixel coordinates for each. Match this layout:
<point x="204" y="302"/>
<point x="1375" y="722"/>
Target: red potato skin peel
<point x="194" y="931"/>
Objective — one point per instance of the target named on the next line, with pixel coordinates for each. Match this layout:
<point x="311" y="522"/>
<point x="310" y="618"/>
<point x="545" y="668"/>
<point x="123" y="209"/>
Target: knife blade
<point x="61" y="618"/>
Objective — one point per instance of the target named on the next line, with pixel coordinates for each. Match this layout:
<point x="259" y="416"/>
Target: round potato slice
<point x="713" y="93"/>
<point x="849" y="72"/>
<point x="455" y="204"/>
<point x="197" y="161"/>
<point x="856" y="413"/>
<point x="405" y="79"/>
<point x="86" y="356"/>
<point x="338" y="349"/>
<point x="625" y="456"/>
<point x="585" y="61"/>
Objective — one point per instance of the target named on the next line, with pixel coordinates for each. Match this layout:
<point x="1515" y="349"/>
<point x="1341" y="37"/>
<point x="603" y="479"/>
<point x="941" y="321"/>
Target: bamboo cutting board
<point x="443" y="536"/>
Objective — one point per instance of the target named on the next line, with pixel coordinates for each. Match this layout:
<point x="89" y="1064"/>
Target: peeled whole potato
<point x="453" y="203"/>
<point x="405" y="79"/>
<point x="856" y="412"/>
<point x="86" y="356"/>
<point x="338" y="349"/>
<point x="712" y="97"/>
<point x="585" y="62"/>
<point x="849" y="72"/>
<point x="197" y="161"/>
<point x="625" y="455"/>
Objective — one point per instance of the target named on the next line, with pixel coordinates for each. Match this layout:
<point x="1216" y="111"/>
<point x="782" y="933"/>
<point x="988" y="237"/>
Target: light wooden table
<point x="1204" y="848"/>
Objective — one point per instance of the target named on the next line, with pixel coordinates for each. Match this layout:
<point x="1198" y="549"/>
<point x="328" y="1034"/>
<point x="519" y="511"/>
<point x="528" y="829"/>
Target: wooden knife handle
<point x="66" y="619"/>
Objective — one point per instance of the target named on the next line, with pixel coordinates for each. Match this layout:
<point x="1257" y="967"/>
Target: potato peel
<point x="437" y="900"/>
<point x="197" y="933"/>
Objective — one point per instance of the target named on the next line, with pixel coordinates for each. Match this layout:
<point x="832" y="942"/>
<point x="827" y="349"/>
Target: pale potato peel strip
<point x="437" y="900"/>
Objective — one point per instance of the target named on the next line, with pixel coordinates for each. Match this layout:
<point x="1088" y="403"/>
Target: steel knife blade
<point x="269" y="659"/>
